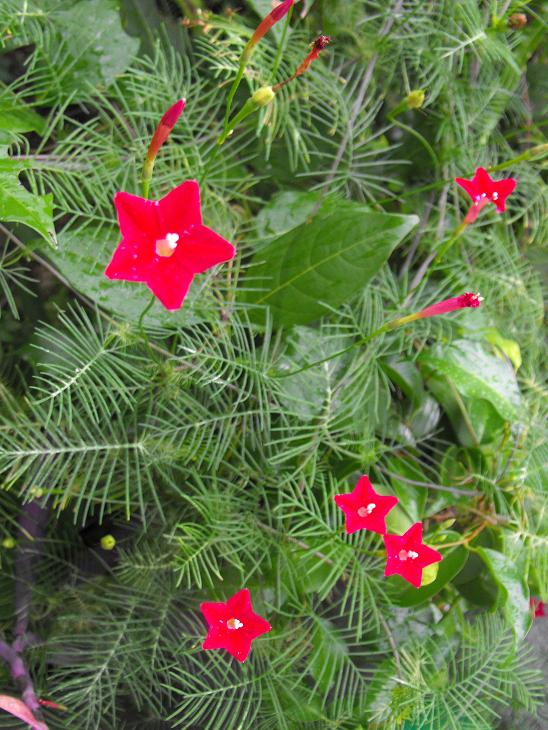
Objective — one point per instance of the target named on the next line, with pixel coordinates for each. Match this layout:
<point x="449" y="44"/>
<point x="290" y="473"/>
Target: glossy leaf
<point x="476" y="373"/>
<point x="17" y="205"/>
<point x="100" y="49"/>
<point x="322" y="263"/>
<point x="513" y="590"/>
<point x="16" y="117"/>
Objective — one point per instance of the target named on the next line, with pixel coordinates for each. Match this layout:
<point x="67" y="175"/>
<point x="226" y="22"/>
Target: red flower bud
<point x="163" y="130"/>
<point x="279" y="12"/>
<point x="469" y="299"/>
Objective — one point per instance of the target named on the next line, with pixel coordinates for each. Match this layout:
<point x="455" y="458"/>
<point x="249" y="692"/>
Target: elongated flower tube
<point x="163" y="130"/>
<point x="318" y="46"/>
<point x="453" y="304"/>
<point x="275" y="15"/>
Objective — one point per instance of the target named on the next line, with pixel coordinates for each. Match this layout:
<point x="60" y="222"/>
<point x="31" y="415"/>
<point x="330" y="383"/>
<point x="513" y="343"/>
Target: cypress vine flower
<point x="275" y="15"/>
<point x="364" y="508"/>
<point x="233" y="625"/>
<point x="164" y="243"/>
<point x="483" y="190"/>
<point x="163" y="130"/>
<point x="408" y="556"/>
<point x="468" y="299"/>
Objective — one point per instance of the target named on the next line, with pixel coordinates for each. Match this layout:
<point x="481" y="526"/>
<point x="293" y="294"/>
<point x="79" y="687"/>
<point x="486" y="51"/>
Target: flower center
<point x="405" y="554"/>
<point x="495" y="196"/>
<point x="166" y="246"/>
<point x="364" y="511"/>
<point x="233" y="624"/>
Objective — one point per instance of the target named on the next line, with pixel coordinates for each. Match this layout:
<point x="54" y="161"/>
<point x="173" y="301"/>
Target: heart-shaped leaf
<point x="322" y="263"/>
<point x="17" y="205"/>
<point x="476" y="373"/>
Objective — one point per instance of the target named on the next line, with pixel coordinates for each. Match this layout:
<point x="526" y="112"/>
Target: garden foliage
<point x="152" y="461"/>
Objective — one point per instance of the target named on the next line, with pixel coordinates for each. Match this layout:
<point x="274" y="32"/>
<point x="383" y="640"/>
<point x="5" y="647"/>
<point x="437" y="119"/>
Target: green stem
<point x="281" y="45"/>
<point x="234" y="89"/>
<point x="364" y="341"/>
<point x="417" y="135"/>
<point x="143" y="315"/>
<point x="459" y="230"/>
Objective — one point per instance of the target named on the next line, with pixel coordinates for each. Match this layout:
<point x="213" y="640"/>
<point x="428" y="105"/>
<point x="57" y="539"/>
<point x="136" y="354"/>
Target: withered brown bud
<point x="321" y="42"/>
<point x="517" y="21"/>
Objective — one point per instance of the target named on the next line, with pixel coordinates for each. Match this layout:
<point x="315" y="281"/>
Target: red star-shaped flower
<point x="233" y="625"/>
<point x="407" y="556"/>
<point x="364" y="508"/>
<point x="164" y="243"/>
<point x="483" y="189"/>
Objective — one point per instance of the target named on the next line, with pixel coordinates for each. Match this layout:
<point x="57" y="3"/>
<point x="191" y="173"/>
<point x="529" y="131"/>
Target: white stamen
<point x="234" y="624"/>
<point x="363" y="511"/>
<point x="495" y="196"/>
<point x="166" y="246"/>
<point x="412" y="554"/>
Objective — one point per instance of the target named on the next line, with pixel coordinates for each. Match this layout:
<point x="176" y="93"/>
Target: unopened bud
<point x="263" y="96"/>
<point x="108" y="542"/>
<point x="517" y="21"/>
<point x="36" y="492"/>
<point x="415" y="99"/>
<point x="8" y="543"/>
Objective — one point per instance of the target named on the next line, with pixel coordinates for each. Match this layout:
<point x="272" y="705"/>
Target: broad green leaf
<point x="322" y="263"/>
<point x="17" y="205"/>
<point x="305" y="393"/>
<point x="285" y="211"/>
<point x="412" y="498"/>
<point x="513" y="595"/>
<point x="454" y="559"/>
<point x="474" y="420"/>
<point x="82" y="259"/>
<point x="477" y="374"/>
<point x="16" y="117"/>
<point x="507" y="347"/>
<point x="406" y="375"/>
<point x="98" y="48"/>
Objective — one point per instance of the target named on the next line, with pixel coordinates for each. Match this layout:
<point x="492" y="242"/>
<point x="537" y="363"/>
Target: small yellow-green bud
<point x="108" y="542"/>
<point x="263" y="96"/>
<point x="8" y="543"/>
<point x="429" y="574"/>
<point x="415" y="99"/>
<point x="36" y="492"/>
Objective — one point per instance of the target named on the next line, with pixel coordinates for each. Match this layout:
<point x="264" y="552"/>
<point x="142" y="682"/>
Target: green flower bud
<point x="108" y="542"/>
<point x="8" y="543"/>
<point x="263" y="96"/>
<point x="415" y="99"/>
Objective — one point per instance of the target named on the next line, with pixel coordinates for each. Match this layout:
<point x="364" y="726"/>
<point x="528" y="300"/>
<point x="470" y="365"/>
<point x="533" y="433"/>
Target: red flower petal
<point x="468" y="185"/>
<point x="180" y="209"/>
<point x="131" y="261"/>
<point x="504" y="188"/>
<point x="169" y="281"/>
<point x="203" y="248"/>
<point x="138" y="217"/>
